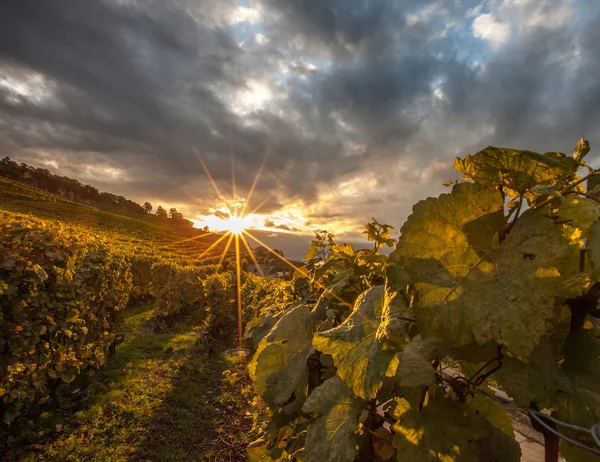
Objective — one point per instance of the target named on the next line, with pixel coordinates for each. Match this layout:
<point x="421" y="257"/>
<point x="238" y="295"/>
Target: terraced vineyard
<point x="147" y="234"/>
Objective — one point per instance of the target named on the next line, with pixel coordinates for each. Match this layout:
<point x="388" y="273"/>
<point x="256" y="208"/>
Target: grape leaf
<point x="415" y="362"/>
<point x="582" y="360"/>
<point x="516" y="171"/>
<point x="577" y="215"/>
<point x="581" y="149"/>
<point x="278" y="367"/>
<point x="536" y="380"/>
<point x="467" y="287"/>
<point x="444" y="430"/>
<point x="492" y="411"/>
<point x="593" y="245"/>
<point x="359" y="359"/>
<point x="580" y="403"/>
<point x="331" y="436"/>
<point x="392" y="332"/>
<point x="582" y="408"/>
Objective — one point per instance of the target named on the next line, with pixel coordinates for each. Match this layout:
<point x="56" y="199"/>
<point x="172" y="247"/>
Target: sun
<point x="236" y="224"/>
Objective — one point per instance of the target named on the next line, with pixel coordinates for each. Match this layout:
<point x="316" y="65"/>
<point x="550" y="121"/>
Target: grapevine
<point x="496" y="280"/>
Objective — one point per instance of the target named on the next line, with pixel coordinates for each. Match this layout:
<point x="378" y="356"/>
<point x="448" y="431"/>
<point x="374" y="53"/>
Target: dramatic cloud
<point x="357" y="107"/>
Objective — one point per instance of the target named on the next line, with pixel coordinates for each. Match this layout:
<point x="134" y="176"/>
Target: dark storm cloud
<point x="268" y="223"/>
<point x="133" y="85"/>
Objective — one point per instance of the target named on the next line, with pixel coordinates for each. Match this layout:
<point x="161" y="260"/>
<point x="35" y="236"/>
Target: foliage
<point x="379" y="233"/>
<point x="63" y="286"/>
<point x="66" y="187"/>
<point x="219" y="289"/>
<point x="497" y="279"/>
<point x="61" y="295"/>
<point x="176" y="287"/>
<point x="135" y="235"/>
<point x="161" y="212"/>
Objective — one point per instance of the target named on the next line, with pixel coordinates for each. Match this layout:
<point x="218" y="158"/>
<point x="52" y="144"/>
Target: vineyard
<point x="71" y="280"/>
<point x="488" y="301"/>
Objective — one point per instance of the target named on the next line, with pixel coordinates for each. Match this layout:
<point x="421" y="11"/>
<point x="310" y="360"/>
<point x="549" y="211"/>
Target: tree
<point x="147" y="207"/>
<point x="172" y="211"/>
<point x="160" y="212"/>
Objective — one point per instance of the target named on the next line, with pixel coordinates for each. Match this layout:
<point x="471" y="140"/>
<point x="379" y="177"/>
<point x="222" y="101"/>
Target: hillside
<point x="146" y="231"/>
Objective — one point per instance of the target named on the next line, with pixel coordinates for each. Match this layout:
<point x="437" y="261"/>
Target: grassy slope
<point x="17" y="198"/>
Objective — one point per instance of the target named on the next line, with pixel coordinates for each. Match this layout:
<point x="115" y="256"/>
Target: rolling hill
<point x="151" y="233"/>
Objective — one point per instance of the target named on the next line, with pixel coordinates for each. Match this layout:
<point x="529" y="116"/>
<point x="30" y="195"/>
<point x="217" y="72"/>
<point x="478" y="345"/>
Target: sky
<point x="354" y="108"/>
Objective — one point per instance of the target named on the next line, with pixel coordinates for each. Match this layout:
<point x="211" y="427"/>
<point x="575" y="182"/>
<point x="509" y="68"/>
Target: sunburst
<point x="236" y="227"/>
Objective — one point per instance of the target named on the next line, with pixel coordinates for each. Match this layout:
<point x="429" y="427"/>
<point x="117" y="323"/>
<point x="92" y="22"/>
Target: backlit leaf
<point x="332" y="436"/>
<point x="353" y="345"/>
<point x="278" y="367"/>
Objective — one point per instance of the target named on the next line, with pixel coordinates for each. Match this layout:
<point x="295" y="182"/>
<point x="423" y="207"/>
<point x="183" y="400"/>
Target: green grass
<point x="160" y="398"/>
<point x="149" y="232"/>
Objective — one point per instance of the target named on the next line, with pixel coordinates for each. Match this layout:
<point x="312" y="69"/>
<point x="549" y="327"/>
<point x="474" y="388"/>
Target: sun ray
<point x="214" y="185"/>
<point x="256" y="209"/>
<point x="213" y="245"/>
<point x="239" y="289"/>
<point x="225" y="251"/>
<point x="232" y="174"/>
<point x="300" y="270"/>
<point x="256" y="178"/>
<point x="252" y="255"/>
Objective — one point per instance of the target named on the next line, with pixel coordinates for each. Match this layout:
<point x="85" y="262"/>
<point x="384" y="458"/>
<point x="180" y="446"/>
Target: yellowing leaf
<point x="581" y="150"/>
<point x="353" y="345"/>
<point x="516" y="171"/>
<point x="577" y="213"/>
<point x="468" y="287"/>
<point x="40" y="272"/>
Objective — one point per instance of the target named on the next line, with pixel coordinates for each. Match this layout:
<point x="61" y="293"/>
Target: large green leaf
<point x="356" y="353"/>
<point x="515" y="301"/>
<point x="278" y="367"/>
<point x="582" y="360"/>
<point x="415" y="362"/>
<point x="516" y="171"/>
<point x="440" y="244"/>
<point x="468" y="287"/>
<point x="536" y="380"/>
<point x="446" y="430"/>
<point x="331" y="436"/>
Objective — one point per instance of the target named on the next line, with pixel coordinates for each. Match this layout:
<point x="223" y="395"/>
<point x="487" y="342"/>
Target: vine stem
<point x="589" y="196"/>
<point x="518" y="208"/>
<point x="570" y="187"/>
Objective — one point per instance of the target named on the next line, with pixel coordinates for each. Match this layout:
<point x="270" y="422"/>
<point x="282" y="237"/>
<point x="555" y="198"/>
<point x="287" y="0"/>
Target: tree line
<point x="76" y="191"/>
